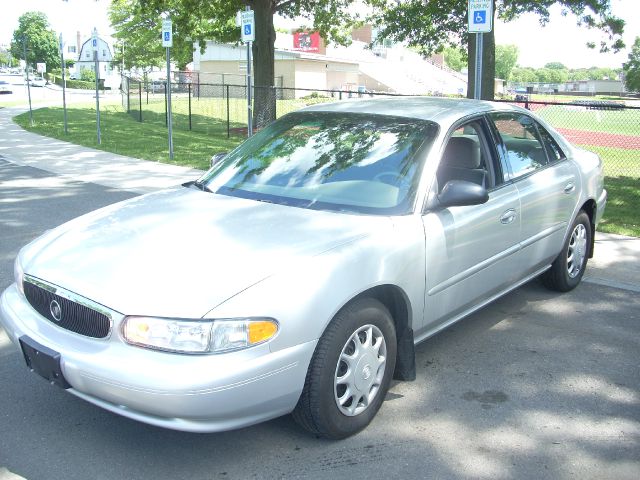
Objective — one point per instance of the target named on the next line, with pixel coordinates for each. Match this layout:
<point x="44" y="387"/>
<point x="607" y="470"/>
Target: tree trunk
<point x="264" y="102"/>
<point x="488" y="64"/>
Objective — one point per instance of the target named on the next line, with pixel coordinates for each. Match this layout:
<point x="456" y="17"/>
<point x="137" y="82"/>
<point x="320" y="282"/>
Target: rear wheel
<point x="567" y="269"/>
<point x="350" y="371"/>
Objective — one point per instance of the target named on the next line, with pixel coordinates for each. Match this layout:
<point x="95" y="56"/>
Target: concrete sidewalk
<point x="83" y="163"/>
<point x="616" y="262"/>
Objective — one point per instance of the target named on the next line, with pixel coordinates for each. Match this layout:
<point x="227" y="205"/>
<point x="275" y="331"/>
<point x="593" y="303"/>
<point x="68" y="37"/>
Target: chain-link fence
<point x="220" y="108"/>
<point x="611" y="129"/>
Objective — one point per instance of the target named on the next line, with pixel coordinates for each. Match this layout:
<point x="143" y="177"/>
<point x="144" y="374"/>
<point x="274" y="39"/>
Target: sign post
<point x="167" y="42"/>
<point x="248" y="32"/>
<point x="64" y="85"/>
<point x="480" y="22"/>
<point x="26" y="69"/>
<point x="94" y="46"/>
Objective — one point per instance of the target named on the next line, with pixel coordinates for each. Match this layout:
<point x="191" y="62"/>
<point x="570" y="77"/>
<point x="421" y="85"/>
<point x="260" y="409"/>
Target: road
<point x="50" y="94"/>
<point x="537" y="385"/>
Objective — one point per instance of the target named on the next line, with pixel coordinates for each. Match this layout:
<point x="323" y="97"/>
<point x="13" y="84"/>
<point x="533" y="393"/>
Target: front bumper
<point x="198" y="393"/>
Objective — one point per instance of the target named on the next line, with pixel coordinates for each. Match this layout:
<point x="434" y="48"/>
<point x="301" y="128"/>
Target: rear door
<point x="547" y="182"/>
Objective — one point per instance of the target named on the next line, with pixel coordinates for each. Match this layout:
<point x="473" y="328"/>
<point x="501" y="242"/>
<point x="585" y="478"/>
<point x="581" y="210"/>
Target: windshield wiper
<point x="198" y="184"/>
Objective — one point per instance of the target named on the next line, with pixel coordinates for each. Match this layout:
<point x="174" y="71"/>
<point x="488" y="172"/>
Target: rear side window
<point x="523" y="147"/>
<point x="554" y="152"/>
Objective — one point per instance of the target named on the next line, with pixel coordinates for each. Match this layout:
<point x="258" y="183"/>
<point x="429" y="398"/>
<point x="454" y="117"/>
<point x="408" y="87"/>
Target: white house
<point x="86" y="60"/>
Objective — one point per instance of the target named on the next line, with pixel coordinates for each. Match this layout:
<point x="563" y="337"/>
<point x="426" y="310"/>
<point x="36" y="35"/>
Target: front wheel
<point x="567" y="269"/>
<point x="350" y="371"/>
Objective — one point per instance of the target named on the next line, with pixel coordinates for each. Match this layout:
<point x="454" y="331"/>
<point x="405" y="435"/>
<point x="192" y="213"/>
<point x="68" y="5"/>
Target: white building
<point x="304" y="62"/>
<point x="85" y="59"/>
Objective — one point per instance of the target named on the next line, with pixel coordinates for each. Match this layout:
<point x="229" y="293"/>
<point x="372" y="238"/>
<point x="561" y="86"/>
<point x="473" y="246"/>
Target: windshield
<point x="331" y="161"/>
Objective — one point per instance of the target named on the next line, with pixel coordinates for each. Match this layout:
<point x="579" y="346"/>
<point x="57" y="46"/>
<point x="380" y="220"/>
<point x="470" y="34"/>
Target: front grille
<point x="73" y="316"/>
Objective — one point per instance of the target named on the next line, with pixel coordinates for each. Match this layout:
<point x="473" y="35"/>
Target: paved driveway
<point x="537" y="385"/>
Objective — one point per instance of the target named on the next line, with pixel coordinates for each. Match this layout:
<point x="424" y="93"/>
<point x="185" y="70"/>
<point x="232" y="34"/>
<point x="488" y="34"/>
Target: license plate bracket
<point x="43" y="361"/>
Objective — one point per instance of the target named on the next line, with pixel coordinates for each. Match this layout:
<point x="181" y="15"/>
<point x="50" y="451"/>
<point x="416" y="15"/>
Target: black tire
<point x="317" y="410"/>
<point x="567" y="269"/>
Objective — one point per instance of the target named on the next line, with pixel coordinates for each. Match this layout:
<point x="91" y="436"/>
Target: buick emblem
<point x="56" y="310"/>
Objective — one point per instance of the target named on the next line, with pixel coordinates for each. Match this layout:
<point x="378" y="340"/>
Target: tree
<point x="41" y="43"/>
<point x="523" y="75"/>
<point x="435" y="24"/>
<point x="202" y="20"/>
<point x="506" y="59"/>
<point x="555" y="66"/>
<point x="6" y="59"/>
<point x="632" y="68"/>
<point x="138" y="29"/>
<point x="455" y="58"/>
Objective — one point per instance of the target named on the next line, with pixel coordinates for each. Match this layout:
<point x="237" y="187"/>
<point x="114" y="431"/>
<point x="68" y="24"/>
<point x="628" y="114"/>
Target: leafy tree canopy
<point x="41" y="42"/>
<point x="455" y="58"/>
<point x="632" y="68"/>
<point x="506" y="59"/>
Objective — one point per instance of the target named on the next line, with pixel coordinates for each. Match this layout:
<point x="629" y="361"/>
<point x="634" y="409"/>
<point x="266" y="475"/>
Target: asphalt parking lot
<point x="536" y="385"/>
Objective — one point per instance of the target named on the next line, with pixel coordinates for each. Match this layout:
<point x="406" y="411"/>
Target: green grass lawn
<point x="624" y="122"/>
<point x="622" y="181"/>
<point x="204" y="109"/>
<point x="121" y="133"/>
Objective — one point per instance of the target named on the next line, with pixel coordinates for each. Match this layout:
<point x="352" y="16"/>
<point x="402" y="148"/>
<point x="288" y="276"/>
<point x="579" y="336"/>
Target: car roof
<point x="436" y="109"/>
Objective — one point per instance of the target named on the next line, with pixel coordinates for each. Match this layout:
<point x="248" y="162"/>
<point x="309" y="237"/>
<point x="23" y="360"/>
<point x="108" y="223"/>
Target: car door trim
<point x="473" y="270"/>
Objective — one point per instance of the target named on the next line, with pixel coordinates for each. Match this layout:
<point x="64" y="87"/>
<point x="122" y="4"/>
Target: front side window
<point x="523" y="149"/>
<point x="330" y="161"/>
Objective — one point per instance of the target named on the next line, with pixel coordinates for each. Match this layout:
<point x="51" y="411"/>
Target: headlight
<point x="198" y="336"/>
<point x="18" y="274"/>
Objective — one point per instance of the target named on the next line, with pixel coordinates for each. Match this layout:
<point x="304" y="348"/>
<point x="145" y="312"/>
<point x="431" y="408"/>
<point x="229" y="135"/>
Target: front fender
<point x="305" y="297"/>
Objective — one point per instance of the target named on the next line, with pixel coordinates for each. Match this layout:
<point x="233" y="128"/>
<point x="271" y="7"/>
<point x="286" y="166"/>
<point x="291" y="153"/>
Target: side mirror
<point x="457" y="193"/>
<point x="217" y="157"/>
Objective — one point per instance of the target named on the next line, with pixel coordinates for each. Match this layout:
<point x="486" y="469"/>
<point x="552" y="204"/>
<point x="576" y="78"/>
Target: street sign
<point x="167" y="33"/>
<point x="41" y="67"/>
<point x="248" y="26"/>
<point x="94" y="40"/>
<point x="480" y="16"/>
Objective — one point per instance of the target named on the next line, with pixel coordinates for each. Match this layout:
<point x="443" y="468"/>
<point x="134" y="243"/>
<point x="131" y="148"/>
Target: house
<point x="85" y="59"/>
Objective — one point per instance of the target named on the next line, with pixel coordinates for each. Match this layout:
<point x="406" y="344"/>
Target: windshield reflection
<point x="326" y="160"/>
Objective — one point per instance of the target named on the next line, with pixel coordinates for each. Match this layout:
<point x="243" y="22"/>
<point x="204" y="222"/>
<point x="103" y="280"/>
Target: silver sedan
<point x="298" y="273"/>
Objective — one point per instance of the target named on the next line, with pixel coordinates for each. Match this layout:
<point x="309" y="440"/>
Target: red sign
<point x="306" y="41"/>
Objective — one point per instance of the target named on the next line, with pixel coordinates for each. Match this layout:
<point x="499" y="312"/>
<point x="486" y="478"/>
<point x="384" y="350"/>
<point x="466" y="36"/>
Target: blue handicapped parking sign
<point x="166" y="36"/>
<point x="480" y="16"/>
<point x="247" y="29"/>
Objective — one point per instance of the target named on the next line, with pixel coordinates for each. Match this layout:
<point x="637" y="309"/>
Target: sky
<point x="560" y="41"/>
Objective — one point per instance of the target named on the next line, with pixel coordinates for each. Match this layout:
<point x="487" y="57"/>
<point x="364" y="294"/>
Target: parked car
<point x="5" y="87"/>
<point x="297" y="274"/>
<point x="37" y="82"/>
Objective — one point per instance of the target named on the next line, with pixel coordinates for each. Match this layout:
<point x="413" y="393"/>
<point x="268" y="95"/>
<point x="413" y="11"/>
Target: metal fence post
<point x="340" y="95"/>
<point x="228" y="118"/>
<point x="140" y="100"/>
<point x="189" y="105"/>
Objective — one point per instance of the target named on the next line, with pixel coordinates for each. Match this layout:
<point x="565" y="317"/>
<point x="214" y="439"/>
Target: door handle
<point x="569" y="187"/>
<point x="508" y="216"/>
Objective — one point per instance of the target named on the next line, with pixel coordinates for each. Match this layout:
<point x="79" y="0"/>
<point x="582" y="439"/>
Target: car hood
<point x="181" y="252"/>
